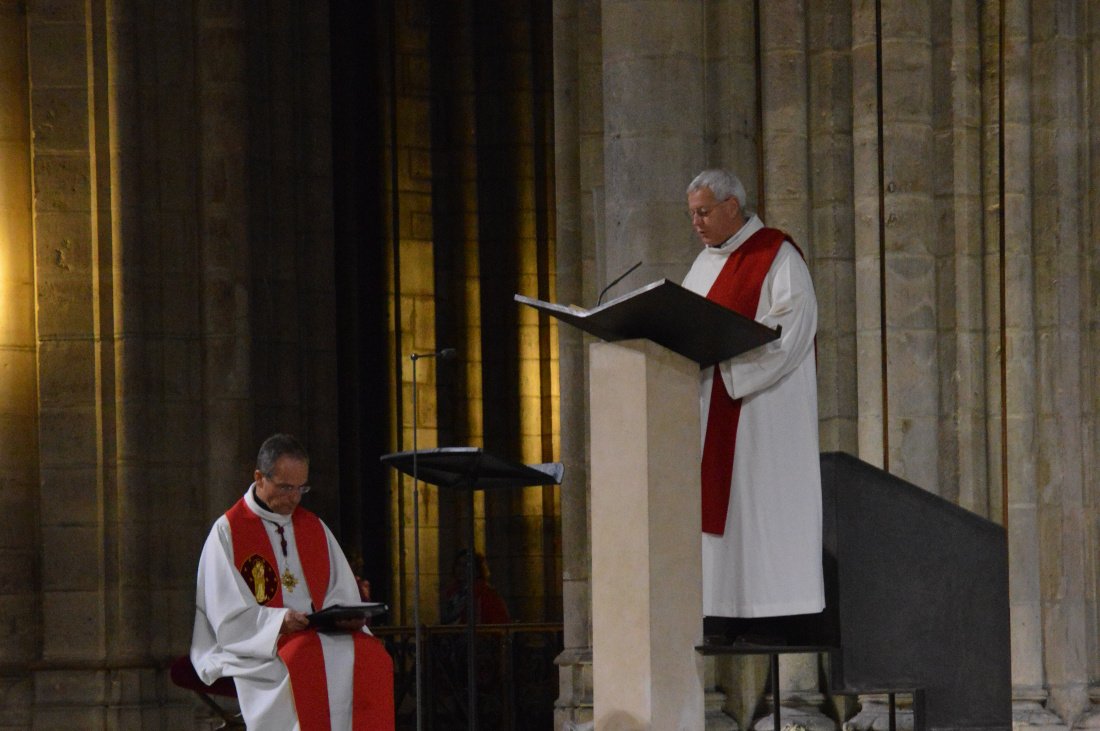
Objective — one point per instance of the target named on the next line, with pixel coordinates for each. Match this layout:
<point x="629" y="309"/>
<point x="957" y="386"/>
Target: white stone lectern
<point x="647" y="597"/>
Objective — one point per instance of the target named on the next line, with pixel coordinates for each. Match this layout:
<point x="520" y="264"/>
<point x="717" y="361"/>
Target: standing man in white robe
<point x="761" y="475"/>
<point x="266" y="564"/>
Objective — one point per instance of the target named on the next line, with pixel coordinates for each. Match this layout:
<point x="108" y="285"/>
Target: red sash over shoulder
<point x="254" y="557"/>
<point x="738" y="288"/>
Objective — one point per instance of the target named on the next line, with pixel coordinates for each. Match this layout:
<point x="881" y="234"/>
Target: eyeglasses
<point x="286" y="488"/>
<point x="704" y="213"/>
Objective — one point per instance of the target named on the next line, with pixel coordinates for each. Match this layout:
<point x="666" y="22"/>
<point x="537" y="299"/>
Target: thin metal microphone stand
<point x="416" y="545"/>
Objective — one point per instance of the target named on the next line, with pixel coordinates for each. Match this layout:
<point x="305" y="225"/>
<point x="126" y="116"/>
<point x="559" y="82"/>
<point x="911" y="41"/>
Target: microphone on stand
<point x="617" y="279"/>
<point x="442" y="354"/>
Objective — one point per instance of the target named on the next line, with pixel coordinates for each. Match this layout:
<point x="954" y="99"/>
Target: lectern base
<point x="647" y="603"/>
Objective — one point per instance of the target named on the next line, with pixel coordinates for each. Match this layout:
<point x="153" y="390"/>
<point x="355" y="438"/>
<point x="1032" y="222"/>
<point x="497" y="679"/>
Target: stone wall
<point x="166" y="174"/>
<point x="18" y="379"/>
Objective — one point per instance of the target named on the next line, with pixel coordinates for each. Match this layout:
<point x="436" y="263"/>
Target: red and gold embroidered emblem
<point x="260" y="577"/>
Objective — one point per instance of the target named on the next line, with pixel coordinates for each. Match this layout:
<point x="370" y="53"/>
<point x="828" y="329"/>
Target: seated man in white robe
<point x="266" y="564"/>
<point x="761" y="475"/>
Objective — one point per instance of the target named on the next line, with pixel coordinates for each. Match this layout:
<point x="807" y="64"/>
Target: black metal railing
<point x="517" y="681"/>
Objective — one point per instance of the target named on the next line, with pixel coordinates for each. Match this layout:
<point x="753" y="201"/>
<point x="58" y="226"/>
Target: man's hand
<point x="293" y="622"/>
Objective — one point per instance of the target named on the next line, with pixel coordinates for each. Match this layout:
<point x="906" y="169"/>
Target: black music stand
<point x="469" y="469"/>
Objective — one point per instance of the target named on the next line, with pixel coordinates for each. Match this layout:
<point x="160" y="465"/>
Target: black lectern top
<point x="671" y="316"/>
<point x="471" y="468"/>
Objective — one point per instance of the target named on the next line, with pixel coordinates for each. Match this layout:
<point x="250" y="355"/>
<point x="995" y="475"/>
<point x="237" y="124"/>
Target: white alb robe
<point x="768" y="561"/>
<point x="234" y="636"/>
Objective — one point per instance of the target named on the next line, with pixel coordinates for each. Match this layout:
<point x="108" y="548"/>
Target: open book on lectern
<point x="669" y="315"/>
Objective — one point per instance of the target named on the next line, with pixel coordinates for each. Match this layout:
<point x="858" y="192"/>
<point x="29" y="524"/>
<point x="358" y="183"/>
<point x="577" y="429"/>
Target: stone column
<point x="653" y="108"/>
<point x="868" y="356"/>
<point x="629" y="119"/>
<point x="222" y="98"/>
<point x="95" y="667"/>
<point x="161" y="152"/>
<point x="868" y="292"/>
<point x="1091" y="380"/>
<point x="1024" y="543"/>
<point x="967" y="312"/>
<point x="912" y="356"/>
<point x="729" y="84"/>
<point x="832" y="221"/>
<point x="1062" y="238"/>
<point x="905" y="265"/>
<point x="786" y="162"/>
<point x="18" y="376"/>
<point x="895" y="276"/>
<point x="577" y="161"/>
<point x="991" y="180"/>
<point x="71" y="682"/>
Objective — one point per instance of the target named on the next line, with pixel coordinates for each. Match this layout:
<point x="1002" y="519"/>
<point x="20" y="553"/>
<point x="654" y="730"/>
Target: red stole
<point x="738" y="288"/>
<point x="372" y="684"/>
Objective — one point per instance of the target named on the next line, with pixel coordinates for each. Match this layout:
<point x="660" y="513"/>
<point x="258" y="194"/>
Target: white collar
<point x="742" y="235"/>
<point x="250" y="500"/>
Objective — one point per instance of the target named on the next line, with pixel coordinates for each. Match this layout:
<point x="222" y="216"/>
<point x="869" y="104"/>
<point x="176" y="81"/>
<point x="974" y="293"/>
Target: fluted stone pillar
<point x="1061" y="241"/>
<point x="1091" y="402"/>
<point x="576" y="130"/>
<point x="653" y="111"/>
<point x="730" y="87"/>
<point x="172" y="296"/>
<point x="1025" y="543"/>
<point x="72" y="460"/>
<point x="869" y="394"/>
<point x="908" y="256"/>
<point x="656" y="111"/>
<point x="871" y="398"/>
<point x="786" y="104"/>
<point x="94" y="275"/>
<point x="898" y="280"/>
<point x="18" y="376"/>
<point x="832" y="221"/>
<point x="144" y="418"/>
<point x="628" y="116"/>
<point x="994" y="414"/>
<point x="223" y="92"/>
<point x="966" y="278"/>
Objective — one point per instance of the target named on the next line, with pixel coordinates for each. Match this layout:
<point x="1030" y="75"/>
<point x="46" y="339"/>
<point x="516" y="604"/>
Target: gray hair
<point x="276" y="446"/>
<point x="722" y="183"/>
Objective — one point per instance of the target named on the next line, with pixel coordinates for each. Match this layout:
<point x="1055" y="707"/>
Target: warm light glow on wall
<point x="6" y="245"/>
<point x="468" y="187"/>
<point x="17" y="334"/>
<point x="18" y="342"/>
